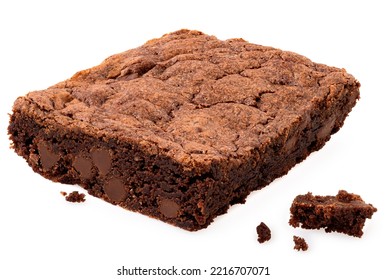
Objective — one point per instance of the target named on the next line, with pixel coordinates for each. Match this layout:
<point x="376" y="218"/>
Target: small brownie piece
<point x="183" y="126"/>
<point x="264" y="233"/>
<point x="345" y="212"/>
<point x="300" y="243"/>
<point x="75" y="196"/>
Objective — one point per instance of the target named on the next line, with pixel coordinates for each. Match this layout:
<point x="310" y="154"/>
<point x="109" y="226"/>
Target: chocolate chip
<point x="47" y="157"/>
<point x="83" y="166"/>
<point x="169" y="208"/>
<point x="115" y="190"/>
<point x="102" y="159"/>
<point x="326" y="129"/>
<point x="291" y="143"/>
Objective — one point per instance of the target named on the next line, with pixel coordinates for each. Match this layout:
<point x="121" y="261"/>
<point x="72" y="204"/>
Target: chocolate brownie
<point x="264" y="232"/>
<point x="183" y="126"/>
<point x="345" y="212"/>
<point x="300" y="243"/>
<point x="75" y="196"/>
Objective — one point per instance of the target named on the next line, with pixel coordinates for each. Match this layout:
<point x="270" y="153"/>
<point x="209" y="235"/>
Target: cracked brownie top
<point x="191" y="96"/>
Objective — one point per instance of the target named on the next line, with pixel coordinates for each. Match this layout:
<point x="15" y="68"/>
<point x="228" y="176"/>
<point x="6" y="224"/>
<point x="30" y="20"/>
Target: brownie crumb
<point x="345" y="212"/>
<point x="264" y="233"/>
<point x="63" y="193"/>
<point x="75" y="196"/>
<point x="300" y="243"/>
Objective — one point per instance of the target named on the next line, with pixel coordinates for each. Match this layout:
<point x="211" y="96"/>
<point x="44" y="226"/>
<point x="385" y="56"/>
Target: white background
<point x="44" y="237"/>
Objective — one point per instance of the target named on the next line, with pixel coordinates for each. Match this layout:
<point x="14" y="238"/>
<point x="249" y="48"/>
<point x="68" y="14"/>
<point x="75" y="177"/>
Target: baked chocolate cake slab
<point x="184" y="126"/>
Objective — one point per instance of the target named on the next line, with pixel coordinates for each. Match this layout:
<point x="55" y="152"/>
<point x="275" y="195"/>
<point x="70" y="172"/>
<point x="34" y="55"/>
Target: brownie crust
<point x="345" y="212"/>
<point x="184" y="126"/>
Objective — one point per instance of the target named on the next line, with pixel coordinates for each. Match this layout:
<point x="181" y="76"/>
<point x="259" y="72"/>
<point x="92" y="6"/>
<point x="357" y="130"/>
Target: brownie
<point x="300" y="243"/>
<point x="345" y="212"/>
<point x="183" y="126"/>
<point x="264" y="232"/>
<point x="75" y="196"/>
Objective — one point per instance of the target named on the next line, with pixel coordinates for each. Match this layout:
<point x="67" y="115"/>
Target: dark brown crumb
<point x="345" y="212"/>
<point x="300" y="243"/>
<point x="264" y="233"/>
<point x="75" y="196"/>
<point x="63" y="193"/>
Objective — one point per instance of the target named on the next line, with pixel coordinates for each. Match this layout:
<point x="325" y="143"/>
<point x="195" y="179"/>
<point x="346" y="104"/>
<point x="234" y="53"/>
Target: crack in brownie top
<point x="191" y="96"/>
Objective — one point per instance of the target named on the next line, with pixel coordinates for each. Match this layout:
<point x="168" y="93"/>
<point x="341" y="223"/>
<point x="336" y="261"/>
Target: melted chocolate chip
<point x="291" y="143"/>
<point x="115" y="190"/>
<point x="47" y="157"/>
<point x="102" y="159"/>
<point x="169" y="208"/>
<point x="326" y="129"/>
<point x="83" y="166"/>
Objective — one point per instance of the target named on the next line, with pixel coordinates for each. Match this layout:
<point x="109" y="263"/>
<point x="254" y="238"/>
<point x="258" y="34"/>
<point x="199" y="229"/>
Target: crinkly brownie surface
<point x="191" y="96"/>
<point x="187" y="122"/>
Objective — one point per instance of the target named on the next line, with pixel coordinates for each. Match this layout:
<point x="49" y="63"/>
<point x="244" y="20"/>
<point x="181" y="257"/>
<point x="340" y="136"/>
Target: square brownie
<point x="183" y="126"/>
